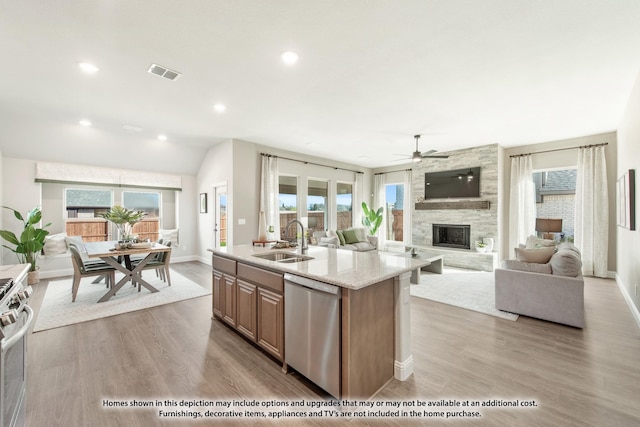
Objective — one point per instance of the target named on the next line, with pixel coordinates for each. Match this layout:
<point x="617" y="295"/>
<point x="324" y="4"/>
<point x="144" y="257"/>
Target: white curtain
<point x="379" y="200"/>
<point x="592" y="211"/>
<point x="269" y="194"/>
<point x="522" y="207"/>
<point x="406" y="208"/>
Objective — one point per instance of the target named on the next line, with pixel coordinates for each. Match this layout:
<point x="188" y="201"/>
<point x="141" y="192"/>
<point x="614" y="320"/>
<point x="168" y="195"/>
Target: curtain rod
<point x="560" y="149"/>
<point x="400" y="170"/>
<point x="309" y="163"/>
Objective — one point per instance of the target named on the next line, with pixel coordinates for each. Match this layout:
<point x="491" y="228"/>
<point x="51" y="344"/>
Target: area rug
<point x="57" y="309"/>
<point x="469" y="289"/>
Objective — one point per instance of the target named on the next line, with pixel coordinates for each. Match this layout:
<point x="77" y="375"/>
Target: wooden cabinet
<point x="251" y="300"/>
<point x="271" y="322"/>
<point x="224" y="289"/>
<point x="229" y="300"/>
<point x="247" y="295"/>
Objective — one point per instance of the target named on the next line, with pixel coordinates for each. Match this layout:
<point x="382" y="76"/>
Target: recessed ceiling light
<point x="88" y="68"/>
<point x="289" y="57"/>
<point x="220" y="108"/>
<point x="162" y="137"/>
<point x="85" y="123"/>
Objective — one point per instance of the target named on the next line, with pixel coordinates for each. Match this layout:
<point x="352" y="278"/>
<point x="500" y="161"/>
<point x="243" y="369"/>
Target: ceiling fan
<point x="417" y="156"/>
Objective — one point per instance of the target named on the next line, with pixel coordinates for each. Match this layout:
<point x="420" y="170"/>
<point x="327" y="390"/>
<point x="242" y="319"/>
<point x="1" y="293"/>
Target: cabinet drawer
<point x="224" y="265"/>
<point x="266" y="279"/>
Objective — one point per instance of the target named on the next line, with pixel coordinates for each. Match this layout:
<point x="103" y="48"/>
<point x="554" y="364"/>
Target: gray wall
<point x="628" y="242"/>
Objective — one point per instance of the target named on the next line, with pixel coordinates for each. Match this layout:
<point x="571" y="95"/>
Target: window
<point x="317" y="196"/>
<point x="83" y="208"/>
<point x="148" y="202"/>
<point x="85" y="203"/>
<point x="288" y="199"/>
<point x="555" y="199"/>
<point x="344" y="206"/>
<point x="394" y="211"/>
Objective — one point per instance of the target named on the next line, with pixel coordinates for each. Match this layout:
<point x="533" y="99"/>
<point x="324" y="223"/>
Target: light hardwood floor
<point x="578" y="377"/>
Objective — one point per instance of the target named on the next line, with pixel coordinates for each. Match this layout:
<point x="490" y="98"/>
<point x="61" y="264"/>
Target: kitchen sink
<point x="284" y="257"/>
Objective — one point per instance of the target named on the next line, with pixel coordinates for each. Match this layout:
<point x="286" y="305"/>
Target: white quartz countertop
<point x="341" y="267"/>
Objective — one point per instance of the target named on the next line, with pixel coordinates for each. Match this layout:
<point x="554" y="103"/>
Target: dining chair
<point x="88" y="262"/>
<point x="160" y="263"/>
<point x="80" y="270"/>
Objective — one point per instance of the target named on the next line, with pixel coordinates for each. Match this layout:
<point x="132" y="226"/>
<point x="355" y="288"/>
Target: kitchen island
<point x="374" y="317"/>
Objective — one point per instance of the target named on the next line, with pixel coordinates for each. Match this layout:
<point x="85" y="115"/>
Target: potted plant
<point x="124" y="219"/>
<point x="372" y="219"/>
<point x="31" y="241"/>
<point x="481" y="246"/>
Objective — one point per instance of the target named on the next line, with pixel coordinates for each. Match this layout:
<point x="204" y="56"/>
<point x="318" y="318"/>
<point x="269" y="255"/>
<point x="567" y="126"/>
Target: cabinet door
<point x="229" y="300"/>
<point x="271" y="322"/>
<point x="218" y="294"/>
<point x="247" y="308"/>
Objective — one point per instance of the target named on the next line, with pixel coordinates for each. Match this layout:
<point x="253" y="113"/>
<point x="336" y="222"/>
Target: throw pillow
<point x="566" y="262"/>
<point x="55" y="244"/>
<point x="361" y="233"/>
<point x="536" y="242"/>
<point x="532" y="267"/>
<point x="540" y="256"/>
<point x="169" y="236"/>
<point x="350" y="237"/>
<point x="340" y="237"/>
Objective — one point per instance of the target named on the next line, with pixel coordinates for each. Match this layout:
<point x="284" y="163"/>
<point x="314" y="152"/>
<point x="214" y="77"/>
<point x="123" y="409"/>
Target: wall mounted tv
<point x="457" y="183"/>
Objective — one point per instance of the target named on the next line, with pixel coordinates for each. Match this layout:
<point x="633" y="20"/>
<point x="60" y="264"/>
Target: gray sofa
<point x="551" y="291"/>
<point x="353" y="239"/>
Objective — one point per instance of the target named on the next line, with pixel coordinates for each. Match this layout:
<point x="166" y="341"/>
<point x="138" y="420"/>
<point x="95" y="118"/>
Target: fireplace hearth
<point x="452" y="236"/>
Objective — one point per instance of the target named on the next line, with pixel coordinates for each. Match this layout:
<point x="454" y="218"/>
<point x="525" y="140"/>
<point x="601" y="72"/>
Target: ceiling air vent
<point x="161" y="71"/>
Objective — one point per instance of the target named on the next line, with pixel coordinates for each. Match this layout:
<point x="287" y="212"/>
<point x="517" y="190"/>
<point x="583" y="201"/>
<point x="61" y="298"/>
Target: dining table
<point x="114" y="254"/>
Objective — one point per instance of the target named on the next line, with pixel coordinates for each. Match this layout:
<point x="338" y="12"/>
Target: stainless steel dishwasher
<point x="312" y="330"/>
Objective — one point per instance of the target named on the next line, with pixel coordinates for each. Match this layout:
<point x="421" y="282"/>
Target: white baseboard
<point x="403" y="370"/>
<point x="634" y="310"/>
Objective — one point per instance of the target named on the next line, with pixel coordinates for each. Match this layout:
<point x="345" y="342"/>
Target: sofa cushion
<point x="532" y="267"/>
<point x="340" y="237"/>
<point x="566" y="262"/>
<point x="350" y="236"/>
<point x="540" y="255"/>
<point x="536" y="242"/>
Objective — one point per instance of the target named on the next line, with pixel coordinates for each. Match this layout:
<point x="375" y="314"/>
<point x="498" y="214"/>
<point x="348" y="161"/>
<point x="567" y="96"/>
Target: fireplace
<point x="452" y="235"/>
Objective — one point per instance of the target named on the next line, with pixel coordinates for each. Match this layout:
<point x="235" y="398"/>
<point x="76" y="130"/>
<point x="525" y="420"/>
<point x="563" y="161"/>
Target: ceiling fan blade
<point x="435" y="157"/>
<point x="426" y="153"/>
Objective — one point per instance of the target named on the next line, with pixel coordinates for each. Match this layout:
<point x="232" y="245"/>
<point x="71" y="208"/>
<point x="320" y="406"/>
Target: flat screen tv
<point x="457" y="183"/>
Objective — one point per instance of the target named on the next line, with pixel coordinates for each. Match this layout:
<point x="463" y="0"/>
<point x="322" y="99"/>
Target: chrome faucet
<point x="303" y="248"/>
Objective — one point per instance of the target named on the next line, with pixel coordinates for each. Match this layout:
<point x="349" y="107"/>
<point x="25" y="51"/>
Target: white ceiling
<point x="371" y="73"/>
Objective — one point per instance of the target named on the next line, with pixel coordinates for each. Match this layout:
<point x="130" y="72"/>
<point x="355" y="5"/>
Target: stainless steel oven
<point x="15" y="319"/>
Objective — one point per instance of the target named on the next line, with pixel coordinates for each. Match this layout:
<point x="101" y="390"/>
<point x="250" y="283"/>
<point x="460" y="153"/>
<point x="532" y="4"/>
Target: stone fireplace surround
<point x="482" y="219"/>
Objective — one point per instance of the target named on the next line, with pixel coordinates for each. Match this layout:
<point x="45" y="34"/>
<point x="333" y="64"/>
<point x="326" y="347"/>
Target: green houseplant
<point x="124" y="219"/>
<point x="31" y="240"/>
<point x="372" y="219"/>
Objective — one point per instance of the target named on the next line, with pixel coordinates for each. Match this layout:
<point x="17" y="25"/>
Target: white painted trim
<point x="403" y="370"/>
<point x="632" y="307"/>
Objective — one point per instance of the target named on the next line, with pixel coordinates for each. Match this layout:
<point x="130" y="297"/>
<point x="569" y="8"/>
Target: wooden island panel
<point x="367" y="339"/>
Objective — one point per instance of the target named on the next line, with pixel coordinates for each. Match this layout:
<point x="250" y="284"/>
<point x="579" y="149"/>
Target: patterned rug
<point x="469" y="289"/>
<point x="57" y="309"/>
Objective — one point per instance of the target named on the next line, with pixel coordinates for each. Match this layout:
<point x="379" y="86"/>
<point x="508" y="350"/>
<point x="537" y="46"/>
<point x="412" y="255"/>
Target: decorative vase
<point x="488" y="244"/>
<point x="262" y="227"/>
